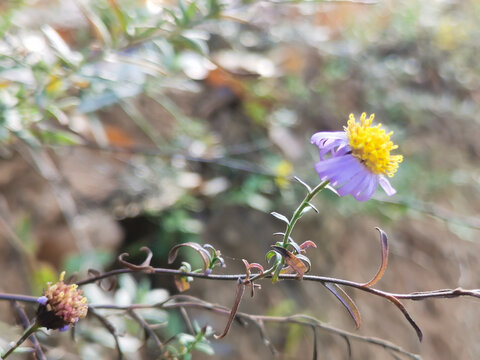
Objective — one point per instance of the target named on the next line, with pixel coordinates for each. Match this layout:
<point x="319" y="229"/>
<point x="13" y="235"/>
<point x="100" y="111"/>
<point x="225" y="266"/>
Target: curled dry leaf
<point x="249" y="266"/>
<point x="172" y="255"/>
<point x="233" y="312"/>
<point x="347" y="301"/>
<point x="112" y="283"/>
<point x="306" y="244"/>
<point x="144" y="267"/>
<point x="383" y="265"/>
<point x="291" y="260"/>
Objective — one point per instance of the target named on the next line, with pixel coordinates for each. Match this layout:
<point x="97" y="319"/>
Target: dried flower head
<point x="358" y="159"/>
<point x="61" y="305"/>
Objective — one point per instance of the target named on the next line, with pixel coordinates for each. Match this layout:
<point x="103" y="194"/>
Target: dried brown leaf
<point x="347" y="301"/>
<point x="233" y="312"/>
<point x="172" y="255"/>
<point x="383" y="265"/>
<point x="144" y="267"/>
<point x="291" y="260"/>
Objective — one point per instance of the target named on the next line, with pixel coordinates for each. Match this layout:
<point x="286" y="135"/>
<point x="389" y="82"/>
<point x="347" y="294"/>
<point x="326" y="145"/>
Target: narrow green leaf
<point x="281" y="217"/>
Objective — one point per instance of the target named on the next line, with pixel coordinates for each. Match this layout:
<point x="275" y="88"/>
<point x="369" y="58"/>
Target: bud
<point x="61" y="305"/>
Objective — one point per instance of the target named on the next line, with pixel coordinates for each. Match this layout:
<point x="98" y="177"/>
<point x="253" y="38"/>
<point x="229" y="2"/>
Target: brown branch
<point x="184" y="301"/>
<point x="146" y="327"/>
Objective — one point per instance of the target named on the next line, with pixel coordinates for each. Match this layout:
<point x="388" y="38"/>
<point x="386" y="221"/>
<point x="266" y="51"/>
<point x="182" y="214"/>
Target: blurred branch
<point x="183" y="301"/>
<point x="110" y="328"/>
<point x="437" y="212"/>
<point x="150" y="151"/>
<point x="26" y="324"/>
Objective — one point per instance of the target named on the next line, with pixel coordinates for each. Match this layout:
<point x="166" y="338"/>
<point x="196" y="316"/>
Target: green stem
<point x="28" y="331"/>
<point x="298" y="213"/>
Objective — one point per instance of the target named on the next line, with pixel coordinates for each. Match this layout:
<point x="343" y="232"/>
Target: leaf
<point x="233" y="312"/>
<point x="304" y="184"/>
<point x="181" y="283"/>
<point x="59" y="137"/>
<point x="280" y="217"/>
<point x="347" y="301"/>
<point x="312" y="206"/>
<point x="249" y="266"/>
<point x="172" y="255"/>
<point x="295" y="246"/>
<point x="306" y="244"/>
<point x="271" y="254"/>
<point x="60" y="46"/>
<point x="305" y="210"/>
<point x="291" y="260"/>
<point x="204" y="347"/>
<point x="383" y="265"/>
<point x="305" y="260"/>
<point x="145" y="266"/>
<point x="405" y="313"/>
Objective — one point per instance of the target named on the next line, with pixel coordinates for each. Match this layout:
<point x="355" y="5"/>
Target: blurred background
<point x="130" y="123"/>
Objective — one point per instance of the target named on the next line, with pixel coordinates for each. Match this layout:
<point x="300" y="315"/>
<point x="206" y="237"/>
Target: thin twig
<point x="111" y="329"/>
<point x="258" y="320"/>
<point x="146" y="327"/>
<point x="26" y="324"/>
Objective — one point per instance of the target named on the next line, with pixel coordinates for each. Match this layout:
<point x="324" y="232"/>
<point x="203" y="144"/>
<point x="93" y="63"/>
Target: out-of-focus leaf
<point x="383" y="265"/>
<point x="204" y="347"/>
<point x="172" y="255"/>
<point x="181" y="283"/>
<point x="59" y="137"/>
<point x="347" y="301"/>
<point x="43" y="273"/>
<point x="280" y="217"/>
<point x="291" y="260"/>
<point x="60" y="46"/>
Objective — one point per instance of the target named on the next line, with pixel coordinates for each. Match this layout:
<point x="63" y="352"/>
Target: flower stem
<point x="28" y="331"/>
<point x="298" y="213"/>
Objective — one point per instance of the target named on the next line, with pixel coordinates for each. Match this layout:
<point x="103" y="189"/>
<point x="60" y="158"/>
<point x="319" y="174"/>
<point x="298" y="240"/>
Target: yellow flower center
<point x="372" y="146"/>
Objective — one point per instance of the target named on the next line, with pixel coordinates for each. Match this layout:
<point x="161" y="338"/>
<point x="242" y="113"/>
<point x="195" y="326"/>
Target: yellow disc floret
<point x="372" y="146"/>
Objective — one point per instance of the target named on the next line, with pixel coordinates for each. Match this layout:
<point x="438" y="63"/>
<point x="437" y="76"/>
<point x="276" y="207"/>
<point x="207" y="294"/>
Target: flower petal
<point x="350" y="187"/>
<point x="386" y="186"/>
<point x="324" y="135"/>
<point x="369" y="190"/>
<point x="338" y="169"/>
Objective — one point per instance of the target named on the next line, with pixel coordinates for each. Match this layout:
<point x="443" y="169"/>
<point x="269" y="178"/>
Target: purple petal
<point x="370" y="188"/>
<point x="42" y="300"/>
<point x="324" y="135"/>
<point x="63" y="328"/>
<point x="336" y="169"/>
<point x="351" y="186"/>
<point x="363" y="185"/>
<point x="339" y="169"/>
<point x="386" y="186"/>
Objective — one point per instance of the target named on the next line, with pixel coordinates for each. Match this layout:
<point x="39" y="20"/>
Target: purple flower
<point x="358" y="159"/>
